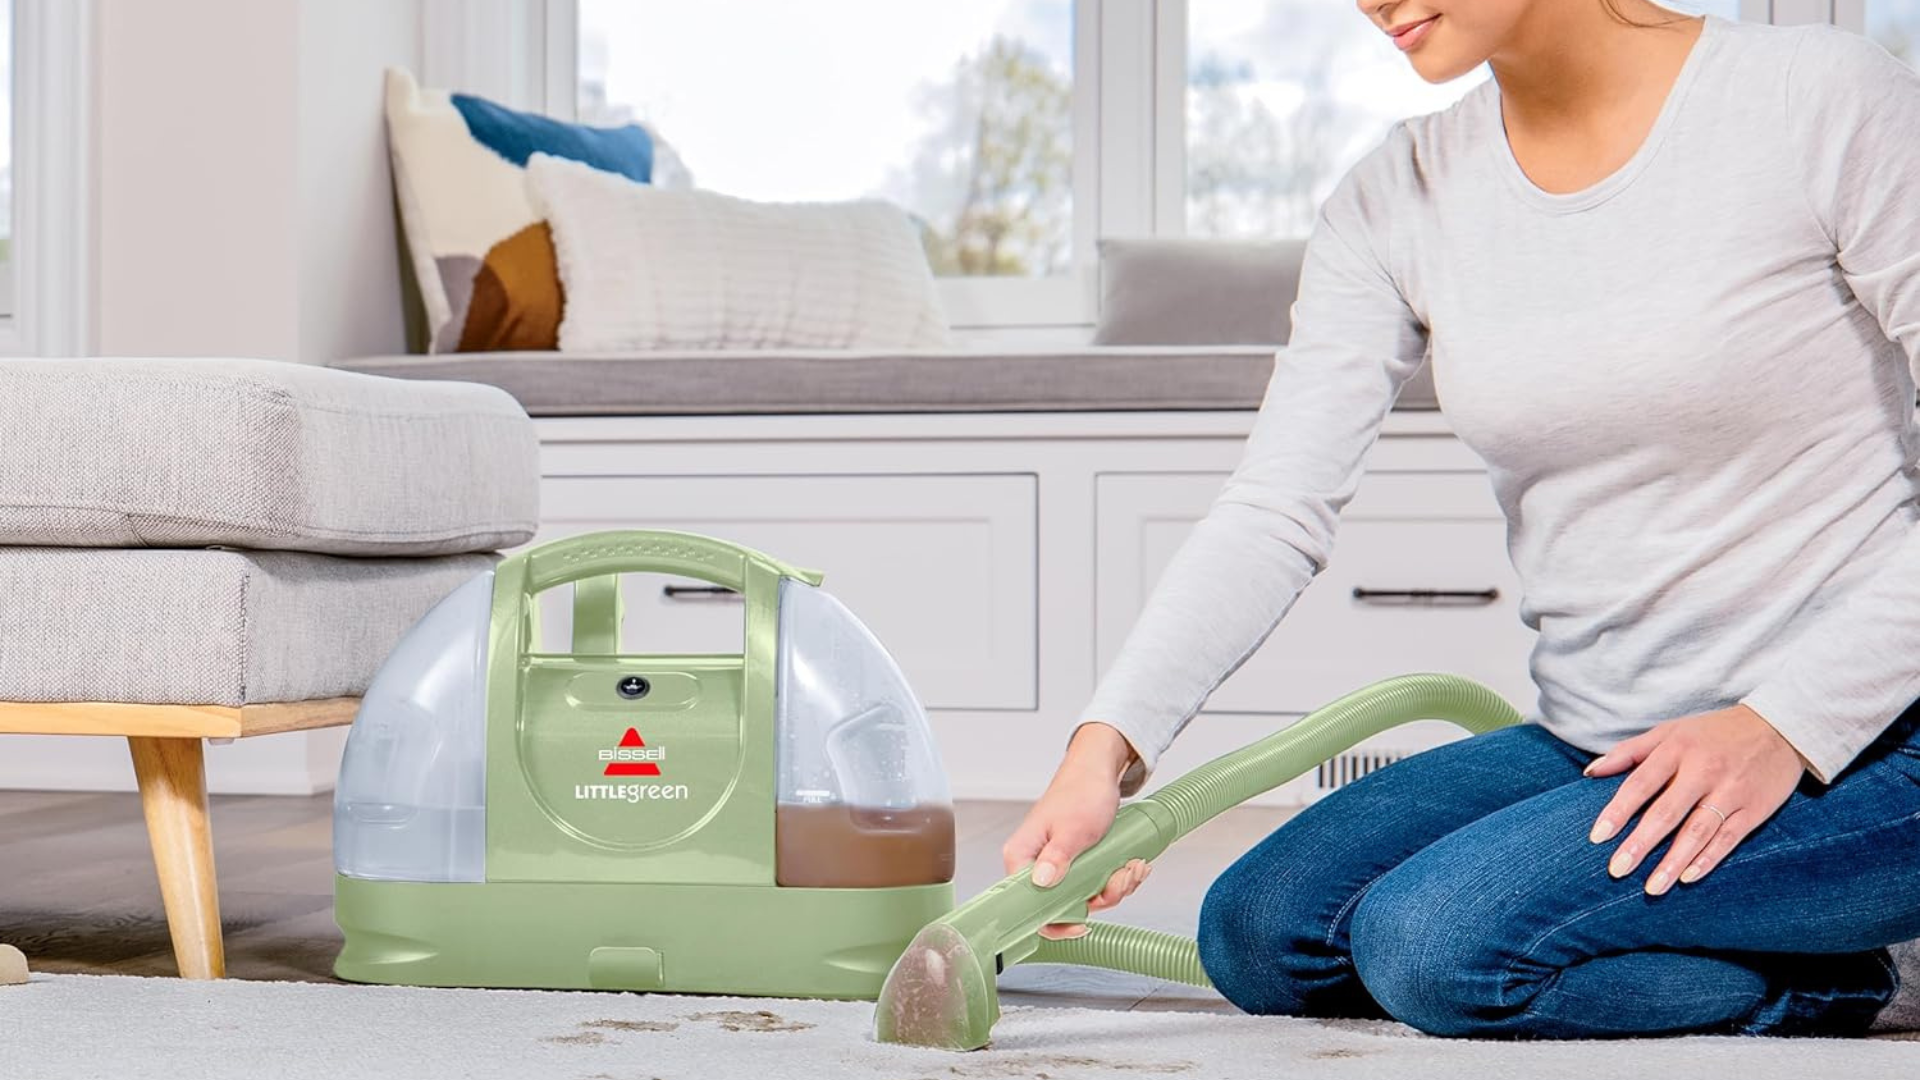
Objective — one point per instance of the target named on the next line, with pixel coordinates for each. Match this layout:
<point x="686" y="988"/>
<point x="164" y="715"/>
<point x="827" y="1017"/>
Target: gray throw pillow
<point x="1210" y="292"/>
<point x="1197" y="292"/>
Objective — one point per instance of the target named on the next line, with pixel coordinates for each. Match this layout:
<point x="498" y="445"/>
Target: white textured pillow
<point x="647" y="268"/>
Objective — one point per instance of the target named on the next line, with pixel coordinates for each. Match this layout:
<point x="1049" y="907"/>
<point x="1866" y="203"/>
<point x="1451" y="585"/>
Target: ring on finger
<point x="1722" y="814"/>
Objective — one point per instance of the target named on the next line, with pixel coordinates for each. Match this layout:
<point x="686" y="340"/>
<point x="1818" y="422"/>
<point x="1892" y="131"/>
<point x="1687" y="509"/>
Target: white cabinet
<point x="941" y="567"/>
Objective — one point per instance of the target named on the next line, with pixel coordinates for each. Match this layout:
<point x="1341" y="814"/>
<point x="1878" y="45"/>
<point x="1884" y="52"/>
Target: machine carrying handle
<point x="645" y="551"/>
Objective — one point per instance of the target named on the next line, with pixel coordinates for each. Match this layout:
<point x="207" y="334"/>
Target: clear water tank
<point x="411" y="800"/>
<point x="863" y="799"/>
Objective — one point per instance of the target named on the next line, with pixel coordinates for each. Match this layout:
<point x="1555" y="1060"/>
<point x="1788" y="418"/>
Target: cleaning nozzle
<point x="943" y="991"/>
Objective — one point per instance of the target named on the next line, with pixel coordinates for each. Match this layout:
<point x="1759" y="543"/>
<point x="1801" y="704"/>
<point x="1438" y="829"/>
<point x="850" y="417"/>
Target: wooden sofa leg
<point x="173" y="794"/>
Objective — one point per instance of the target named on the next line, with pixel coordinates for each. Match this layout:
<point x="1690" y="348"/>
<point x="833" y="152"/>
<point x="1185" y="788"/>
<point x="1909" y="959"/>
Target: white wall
<point x="244" y="202"/>
<point x="243" y="209"/>
<point x="198" y="228"/>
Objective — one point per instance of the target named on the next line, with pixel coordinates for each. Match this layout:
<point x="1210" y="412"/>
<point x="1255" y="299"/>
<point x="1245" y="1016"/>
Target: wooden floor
<point x="78" y="894"/>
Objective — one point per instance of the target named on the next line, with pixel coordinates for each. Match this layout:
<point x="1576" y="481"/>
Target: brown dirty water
<point x="853" y="847"/>
<point x="759" y="1020"/>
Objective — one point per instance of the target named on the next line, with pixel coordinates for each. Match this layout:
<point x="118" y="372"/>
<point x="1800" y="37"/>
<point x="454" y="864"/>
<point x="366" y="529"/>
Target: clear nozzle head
<point x="937" y="995"/>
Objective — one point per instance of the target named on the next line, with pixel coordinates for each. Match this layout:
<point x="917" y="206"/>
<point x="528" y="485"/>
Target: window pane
<point x="1895" y="24"/>
<point x="1283" y="97"/>
<point x="959" y="112"/>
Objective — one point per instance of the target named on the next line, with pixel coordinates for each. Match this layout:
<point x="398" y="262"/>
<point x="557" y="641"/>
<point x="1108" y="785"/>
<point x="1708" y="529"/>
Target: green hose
<point x="1127" y="948"/>
<point x="1228" y="781"/>
<point x="941" y="992"/>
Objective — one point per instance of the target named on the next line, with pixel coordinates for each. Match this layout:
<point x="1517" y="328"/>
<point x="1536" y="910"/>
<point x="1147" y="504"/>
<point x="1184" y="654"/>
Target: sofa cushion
<point x="187" y="627"/>
<point x="863" y="380"/>
<point x="1197" y="292"/>
<point x="257" y="454"/>
<point x="1180" y="291"/>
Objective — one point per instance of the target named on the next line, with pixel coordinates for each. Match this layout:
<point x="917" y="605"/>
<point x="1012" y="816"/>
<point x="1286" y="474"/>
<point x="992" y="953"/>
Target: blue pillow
<point x="517" y="136"/>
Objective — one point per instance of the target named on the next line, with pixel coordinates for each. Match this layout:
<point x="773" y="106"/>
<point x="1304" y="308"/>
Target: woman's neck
<point x="1572" y="66"/>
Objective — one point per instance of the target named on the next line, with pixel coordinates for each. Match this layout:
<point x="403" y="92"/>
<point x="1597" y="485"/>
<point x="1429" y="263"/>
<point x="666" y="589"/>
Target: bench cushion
<point x="185" y="627"/>
<point x="257" y="454"/>
<point x="847" y="380"/>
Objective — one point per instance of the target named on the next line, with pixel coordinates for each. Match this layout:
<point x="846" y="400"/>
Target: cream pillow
<point x="645" y="268"/>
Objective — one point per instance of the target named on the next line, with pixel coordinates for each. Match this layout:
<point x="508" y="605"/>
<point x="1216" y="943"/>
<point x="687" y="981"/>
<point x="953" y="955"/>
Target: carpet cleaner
<point x="771" y="823"/>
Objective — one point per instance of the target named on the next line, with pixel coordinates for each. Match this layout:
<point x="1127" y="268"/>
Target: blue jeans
<point x="1456" y="891"/>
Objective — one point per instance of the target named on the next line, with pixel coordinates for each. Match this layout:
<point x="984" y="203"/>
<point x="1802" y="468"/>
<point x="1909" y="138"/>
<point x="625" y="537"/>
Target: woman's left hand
<point x="1730" y="761"/>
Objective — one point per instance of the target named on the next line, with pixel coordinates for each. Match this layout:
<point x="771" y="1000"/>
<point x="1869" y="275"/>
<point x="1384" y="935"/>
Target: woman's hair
<point x="1613" y="9"/>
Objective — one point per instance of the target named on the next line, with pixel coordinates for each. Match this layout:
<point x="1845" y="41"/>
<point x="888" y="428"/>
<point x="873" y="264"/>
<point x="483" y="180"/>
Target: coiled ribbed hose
<point x="1228" y="781"/>
<point x="1127" y="948"/>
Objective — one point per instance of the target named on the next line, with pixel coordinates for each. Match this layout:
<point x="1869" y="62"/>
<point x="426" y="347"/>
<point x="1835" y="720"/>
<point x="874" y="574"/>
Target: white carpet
<point x="68" y="1027"/>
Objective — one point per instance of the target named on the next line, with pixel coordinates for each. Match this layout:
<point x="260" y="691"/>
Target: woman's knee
<point x="1432" y="953"/>
<point x="1263" y="946"/>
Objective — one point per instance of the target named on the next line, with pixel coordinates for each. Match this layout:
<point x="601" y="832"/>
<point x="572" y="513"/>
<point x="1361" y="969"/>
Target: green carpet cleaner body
<point x="771" y="822"/>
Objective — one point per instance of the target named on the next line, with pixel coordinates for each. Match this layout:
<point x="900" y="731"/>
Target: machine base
<point x="700" y="939"/>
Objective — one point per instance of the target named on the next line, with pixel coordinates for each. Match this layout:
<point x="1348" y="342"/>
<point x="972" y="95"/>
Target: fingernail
<point x="1079" y="931"/>
<point x="1588" y="771"/>
<point x="1601" y="830"/>
<point x="1658" y="885"/>
<point x="1622" y="862"/>
<point x="1692" y="874"/>
<point x="1043" y="874"/>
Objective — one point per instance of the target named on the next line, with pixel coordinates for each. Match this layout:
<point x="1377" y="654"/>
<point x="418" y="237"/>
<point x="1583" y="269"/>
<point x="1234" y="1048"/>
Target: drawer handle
<point x="1435" y="597"/>
<point x="698" y="592"/>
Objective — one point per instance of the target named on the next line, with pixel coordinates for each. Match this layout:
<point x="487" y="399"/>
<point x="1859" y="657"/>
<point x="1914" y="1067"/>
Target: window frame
<point x="51" y="257"/>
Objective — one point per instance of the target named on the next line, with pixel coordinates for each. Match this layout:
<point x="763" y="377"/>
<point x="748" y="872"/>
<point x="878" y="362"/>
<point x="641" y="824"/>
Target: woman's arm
<point x="1355" y="343"/>
<point x="1857" y="110"/>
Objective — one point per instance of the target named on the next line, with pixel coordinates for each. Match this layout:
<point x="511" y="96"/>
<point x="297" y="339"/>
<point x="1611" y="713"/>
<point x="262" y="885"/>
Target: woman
<point x="1669" y="272"/>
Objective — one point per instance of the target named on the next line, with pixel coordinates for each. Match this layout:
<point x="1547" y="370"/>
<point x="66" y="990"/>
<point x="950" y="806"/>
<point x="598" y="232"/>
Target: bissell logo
<point x="633" y="757"/>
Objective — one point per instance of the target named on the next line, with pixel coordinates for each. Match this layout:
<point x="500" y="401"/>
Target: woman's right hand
<point x="1075" y="812"/>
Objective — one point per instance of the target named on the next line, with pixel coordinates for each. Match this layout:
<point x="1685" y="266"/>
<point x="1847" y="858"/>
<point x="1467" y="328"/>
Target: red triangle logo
<point x="631" y="740"/>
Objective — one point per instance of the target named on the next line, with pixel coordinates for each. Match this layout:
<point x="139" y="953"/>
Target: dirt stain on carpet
<point x="584" y="1038"/>
<point x="1337" y="1053"/>
<point x="1059" y="1066"/>
<point x="594" y="1032"/>
<point x="631" y="1025"/>
<point x="759" y="1020"/>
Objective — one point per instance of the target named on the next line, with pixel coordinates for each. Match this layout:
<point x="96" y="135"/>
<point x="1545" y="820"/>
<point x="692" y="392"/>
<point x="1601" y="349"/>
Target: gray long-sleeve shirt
<point x="1690" y="383"/>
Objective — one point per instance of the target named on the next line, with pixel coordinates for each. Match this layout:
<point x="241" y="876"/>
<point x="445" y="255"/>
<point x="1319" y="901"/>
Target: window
<point x="1014" y="131"/>
<point x="962" y="113"/>
<point x="1895" y="24"/>
<point x="1283" y="97"/>
<point x="44" y="193"/>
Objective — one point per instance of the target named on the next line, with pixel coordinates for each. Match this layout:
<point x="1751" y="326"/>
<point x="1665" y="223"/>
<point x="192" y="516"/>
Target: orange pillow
<point x="517" y="296"/>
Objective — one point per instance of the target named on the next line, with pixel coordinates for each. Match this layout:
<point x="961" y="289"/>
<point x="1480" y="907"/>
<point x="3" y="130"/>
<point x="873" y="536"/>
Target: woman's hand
<point x="1720" y="774"/>
<point x="1075" y="811"/>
